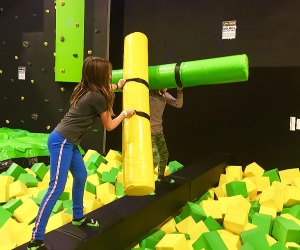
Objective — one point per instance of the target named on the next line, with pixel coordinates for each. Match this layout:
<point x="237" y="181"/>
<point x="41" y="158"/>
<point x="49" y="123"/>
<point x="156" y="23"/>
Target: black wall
<point x="34" y="21"/>
<point x="250" y="120"/>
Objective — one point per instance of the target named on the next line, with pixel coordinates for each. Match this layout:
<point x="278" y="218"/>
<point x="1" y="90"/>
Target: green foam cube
<point x="12" y="205"/>
<point x="236" y="187"/>
<point x="246" y="246"/>
<point x="256" y="238"/>
<point x="204" y="197"/>
<point x="151" y="240"/>
<point x="40" y="169"/>
<point x="15" y="170"/>
<point x="90" y="187"/>
<point x="212" y="224"/>
<point x="4" y="216"/>
<point x="57" y="207"/>
<point x="263" y="221"/>
<point x="120" y="189"/>
<point x="194" y="210"/>
<point x="285" y="230"/>
<point x="28" y="179"/>
<point x="210" y="241"/>
<point x="96" y="159"/>
<point x="278" y="246"/>
<point x="108" y="177"/>
<point x="174" y="166"/>
<point x="64" y="196"/>
<point x="67" y="204"/>
<point x="295" y="211"/>
<point x="273" y="175"/>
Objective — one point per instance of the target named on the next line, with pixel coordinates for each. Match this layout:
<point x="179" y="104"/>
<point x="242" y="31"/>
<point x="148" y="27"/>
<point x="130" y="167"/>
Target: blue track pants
<point x="64" y="156"/>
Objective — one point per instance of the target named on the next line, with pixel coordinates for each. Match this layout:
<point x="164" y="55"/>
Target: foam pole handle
<point x="219" y="70"/>
<point x="136" y="132"/>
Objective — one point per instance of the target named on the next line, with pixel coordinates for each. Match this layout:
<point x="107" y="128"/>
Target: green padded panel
<point x="69" y="40"/>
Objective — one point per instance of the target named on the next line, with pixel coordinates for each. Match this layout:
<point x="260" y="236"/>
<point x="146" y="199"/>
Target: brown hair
<point x="96" y="76"/>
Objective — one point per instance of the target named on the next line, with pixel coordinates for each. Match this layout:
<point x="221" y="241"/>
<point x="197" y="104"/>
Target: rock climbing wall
<point x="39" y="67"/>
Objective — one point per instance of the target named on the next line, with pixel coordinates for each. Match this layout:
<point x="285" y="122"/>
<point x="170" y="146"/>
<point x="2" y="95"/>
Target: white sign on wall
<point x="21" y="72"/>
<point x="229" y="29"/>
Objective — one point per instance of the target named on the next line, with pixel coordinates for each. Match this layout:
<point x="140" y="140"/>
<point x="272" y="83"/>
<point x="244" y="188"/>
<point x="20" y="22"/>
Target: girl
<point x="158" y="101"/>
<point x="91" y="99"/>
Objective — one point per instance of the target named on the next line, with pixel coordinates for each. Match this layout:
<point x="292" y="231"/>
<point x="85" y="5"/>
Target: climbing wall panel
<point x="69" y="40"/>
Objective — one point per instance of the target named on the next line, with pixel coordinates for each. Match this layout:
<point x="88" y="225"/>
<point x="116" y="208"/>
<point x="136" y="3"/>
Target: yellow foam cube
<point x="238" y="200"/>
<point x="58" y="220"/>
<point x="292" y="245"/>
<point x="120" y="176"/>
<point x="106" y="193"/>
<point x="212" y="192"/>
<point x="91" y="205"/>
<point x="6" y="235"/>
<point x="27" y="212"/>
<point x="29" y="171"/>
<point x="296" y="182"/>
<point x="69" y="183"/>
<point x="103" y="168"/>
<point x="88" y="154"/>
<point x="225" y="178"/>
<point x="231" y="240"/>
<point x="24" y="197"/>
<point x="94" y="179"/>
<point x="235" y="171"/>
<point x="261" y="182"/>
<point x="291" y="196"/>
<point x="19" y="233"/>
<point x="196" y="231"/>
<point x="212" y="208"/>
<point x="270" y="198"/>
<point x="6" y="180"/>
<point x="167" y="171"/>
<point x="4" y="195"/>
<point x="33" y="191"/>
<point x="268" y="210"/>
<point x="219" y="191"/>
<point x="185" y="225"/>
<point x="107" y="198"/>
<point x="114" y="163"/>
<point x="23" y="233"/>
<point x="249" y="226"/>
<point x="45" y="182"/>
<point x="16" y="188"/>
<point x="105" y="188"/>
<point x="88" y="196"/>
<point x="172" y="242"/>
<point x="287" y="175"/>
<point x="236" y="218"/>
<point x="290" y="217"/>
<point x="251" y="187"/>
<point x="253" y="169"/>
<point x="114" y="155"/>
<point x="169" y="226"/>
<point x="271" y="240"/>
<point x="8" y="246"/>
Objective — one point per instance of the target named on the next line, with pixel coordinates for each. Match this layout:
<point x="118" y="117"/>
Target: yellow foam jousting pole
<point x="136" y="135"/>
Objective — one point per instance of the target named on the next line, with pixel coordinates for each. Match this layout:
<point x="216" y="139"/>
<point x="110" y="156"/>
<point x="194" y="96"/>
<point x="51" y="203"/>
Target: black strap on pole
<point x="142" y="81"/>
<point x="177" y="75"/>
<point x="139" y="80"/>
<point x="142" y="114"/>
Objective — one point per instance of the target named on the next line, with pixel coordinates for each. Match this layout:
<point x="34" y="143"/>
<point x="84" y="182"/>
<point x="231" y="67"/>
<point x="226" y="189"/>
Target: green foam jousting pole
<point x="194" y="73"/>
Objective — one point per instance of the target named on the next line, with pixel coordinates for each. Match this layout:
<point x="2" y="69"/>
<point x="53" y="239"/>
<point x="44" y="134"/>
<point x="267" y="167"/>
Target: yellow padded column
<point x="137" y="145"/>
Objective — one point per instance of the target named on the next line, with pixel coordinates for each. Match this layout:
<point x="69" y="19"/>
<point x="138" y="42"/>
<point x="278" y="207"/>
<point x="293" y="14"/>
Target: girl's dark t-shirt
<point x="81" y="117"/>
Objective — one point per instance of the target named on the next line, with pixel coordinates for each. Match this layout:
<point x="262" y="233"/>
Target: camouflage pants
<point x="160" y="152"/>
